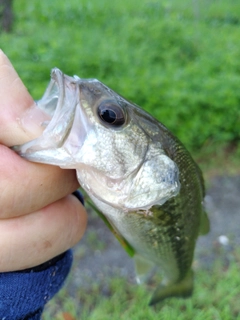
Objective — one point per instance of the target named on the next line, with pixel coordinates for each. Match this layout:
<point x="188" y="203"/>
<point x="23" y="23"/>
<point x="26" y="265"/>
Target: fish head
<point x="108" y="140"/>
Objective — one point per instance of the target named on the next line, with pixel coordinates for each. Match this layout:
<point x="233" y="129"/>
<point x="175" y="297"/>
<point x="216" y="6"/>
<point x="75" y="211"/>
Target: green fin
<point x="143" y="268"/>
<point x="127" y="247"/>
<point x="182" y="289"/>
<point x="204" y="224"/>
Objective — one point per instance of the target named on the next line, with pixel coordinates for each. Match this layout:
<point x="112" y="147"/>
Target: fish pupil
<point x="108" y="115"/>
<point x="111" y="113"/>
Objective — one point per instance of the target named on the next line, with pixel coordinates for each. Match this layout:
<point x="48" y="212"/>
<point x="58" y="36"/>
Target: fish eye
<point x="111" y="113"/>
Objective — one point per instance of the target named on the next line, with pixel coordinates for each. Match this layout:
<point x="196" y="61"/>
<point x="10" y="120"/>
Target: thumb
<point x="20" y="119"/>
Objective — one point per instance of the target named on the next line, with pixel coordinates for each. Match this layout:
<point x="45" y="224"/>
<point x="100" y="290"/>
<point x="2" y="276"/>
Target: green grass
<point x="216" y="297"/>
<point x="179" y="60"/>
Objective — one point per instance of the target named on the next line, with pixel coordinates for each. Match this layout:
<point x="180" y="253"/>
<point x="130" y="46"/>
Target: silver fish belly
<point x="137" y="173"/>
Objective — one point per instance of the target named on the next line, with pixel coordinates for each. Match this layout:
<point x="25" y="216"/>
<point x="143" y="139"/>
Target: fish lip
<point x="57" y="83"/>
<point x="64" y="88"/>
<point x="57" y="78"/>
<point x="62" y="82"/>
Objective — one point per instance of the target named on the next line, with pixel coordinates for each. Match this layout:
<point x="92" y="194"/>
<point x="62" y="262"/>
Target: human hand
<point x="39" y="218"/>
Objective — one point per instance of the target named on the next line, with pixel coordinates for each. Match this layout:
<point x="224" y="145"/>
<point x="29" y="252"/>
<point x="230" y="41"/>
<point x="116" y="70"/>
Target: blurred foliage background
<point x="179" y="60"/>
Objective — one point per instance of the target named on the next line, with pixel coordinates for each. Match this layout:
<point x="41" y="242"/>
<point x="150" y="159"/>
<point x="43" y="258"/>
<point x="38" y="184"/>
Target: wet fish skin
<point x="138" y="174"/>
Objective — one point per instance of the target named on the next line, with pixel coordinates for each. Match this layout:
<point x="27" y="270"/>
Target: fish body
<point x="137" y="173"/>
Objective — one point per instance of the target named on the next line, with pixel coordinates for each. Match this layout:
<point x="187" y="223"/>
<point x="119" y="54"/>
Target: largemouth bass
<point x="138" y="175"/>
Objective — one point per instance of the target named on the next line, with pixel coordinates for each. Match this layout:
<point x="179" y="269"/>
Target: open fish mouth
<point x="59" y="95"/>
<point x="59" y="103"/>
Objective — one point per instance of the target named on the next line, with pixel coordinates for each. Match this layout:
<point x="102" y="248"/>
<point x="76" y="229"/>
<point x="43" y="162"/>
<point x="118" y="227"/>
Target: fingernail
<point x="33" y="121"/>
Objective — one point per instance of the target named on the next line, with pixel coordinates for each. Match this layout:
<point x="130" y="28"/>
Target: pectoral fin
<point x="125" y="244"/>
<point x="182" y="289"/>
